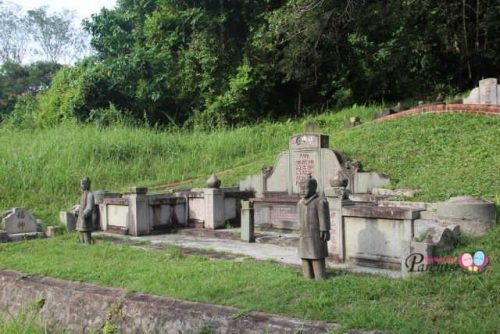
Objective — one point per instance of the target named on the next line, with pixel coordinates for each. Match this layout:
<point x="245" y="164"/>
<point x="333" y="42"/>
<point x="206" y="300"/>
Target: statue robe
<point x="86" y="213"/>
<point x="314" y="217"/>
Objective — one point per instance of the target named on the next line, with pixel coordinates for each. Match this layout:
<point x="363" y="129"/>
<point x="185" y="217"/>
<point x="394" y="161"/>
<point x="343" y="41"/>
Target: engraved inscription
<point x="333" y="232"/>
<point x="21" y="225"/>
<point x="488" y="91"/>
<point x="282" y="213"/>
<point x="304" y="166"/>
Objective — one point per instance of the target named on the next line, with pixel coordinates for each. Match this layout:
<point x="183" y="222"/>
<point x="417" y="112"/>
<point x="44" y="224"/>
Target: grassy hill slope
<point x="444" y="155"/>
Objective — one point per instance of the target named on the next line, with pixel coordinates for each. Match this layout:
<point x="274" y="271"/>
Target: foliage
<point x="13" y="37"/>
<point x="38" y="34"/>
<point x="24" y="114"/>
<point x="55" y="35"/>
<point x="210" y="64"/>
<point x="17" y="80"/>
<point x="64" y="99"/>
<point x="25" y="322"/>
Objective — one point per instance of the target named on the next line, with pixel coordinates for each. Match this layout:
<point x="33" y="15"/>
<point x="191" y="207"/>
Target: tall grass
<point x="26" y="322"/>
<point x="443" y="155"/>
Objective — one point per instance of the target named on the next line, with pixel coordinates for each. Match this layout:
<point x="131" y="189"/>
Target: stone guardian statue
<point x="86" y="214"/>
<point x="314" y="221"/>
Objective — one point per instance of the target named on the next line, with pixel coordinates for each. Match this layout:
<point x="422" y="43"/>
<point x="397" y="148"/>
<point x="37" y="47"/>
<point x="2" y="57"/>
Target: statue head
<point x="308" y="187"/>
<point x="85" y="183"/>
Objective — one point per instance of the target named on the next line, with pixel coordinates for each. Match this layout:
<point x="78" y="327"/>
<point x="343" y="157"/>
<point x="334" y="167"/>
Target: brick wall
<point x="476" y="109"/>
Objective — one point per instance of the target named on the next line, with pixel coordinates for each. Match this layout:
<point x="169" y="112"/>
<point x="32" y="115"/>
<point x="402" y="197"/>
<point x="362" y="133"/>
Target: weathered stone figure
<point x="314" y="220"/>
<point x="86" y="213"/>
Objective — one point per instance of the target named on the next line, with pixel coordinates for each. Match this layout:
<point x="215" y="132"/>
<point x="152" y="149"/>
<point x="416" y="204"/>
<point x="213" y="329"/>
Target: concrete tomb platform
<point x="367" y="227"/>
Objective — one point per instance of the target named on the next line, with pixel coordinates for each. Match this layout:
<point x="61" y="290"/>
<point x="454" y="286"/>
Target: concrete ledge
<point x="81" y="307"/>
<point x="379" y="212"/>
<point x="26" y="236"/>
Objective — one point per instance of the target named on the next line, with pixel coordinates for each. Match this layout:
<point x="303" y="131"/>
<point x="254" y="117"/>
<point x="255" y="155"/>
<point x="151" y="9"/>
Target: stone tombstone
<point x="473" y="97"/>
<point x="308" y="154"/>
<point x="19" y="221"/>
<point x="488" y="92"/>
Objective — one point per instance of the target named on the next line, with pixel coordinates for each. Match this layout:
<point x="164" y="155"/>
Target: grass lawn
<point x="434" y="302"/>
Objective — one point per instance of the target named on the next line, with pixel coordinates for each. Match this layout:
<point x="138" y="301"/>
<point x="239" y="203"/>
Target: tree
<point x="14" y="36"/>
<point x="56" y="37"/>
<point x="17" y="79"/>
<point x="232" y="62"/>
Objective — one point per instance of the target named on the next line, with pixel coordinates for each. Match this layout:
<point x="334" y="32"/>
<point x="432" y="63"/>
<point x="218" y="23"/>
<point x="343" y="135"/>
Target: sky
<point x="83" y="8"/>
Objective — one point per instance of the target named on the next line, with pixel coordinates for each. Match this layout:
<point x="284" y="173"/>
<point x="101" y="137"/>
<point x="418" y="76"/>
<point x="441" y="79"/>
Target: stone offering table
<point x="377" y="236"/>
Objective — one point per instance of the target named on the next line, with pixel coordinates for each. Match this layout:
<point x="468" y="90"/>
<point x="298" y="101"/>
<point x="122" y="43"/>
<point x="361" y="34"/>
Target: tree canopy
<point x="221" y="63"/>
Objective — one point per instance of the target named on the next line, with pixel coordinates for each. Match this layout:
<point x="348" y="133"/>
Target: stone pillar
<point x="406" y="242"/>
<point x="68" y="219"/>
<point x="336" y="201"/>
<point x="138" y="211"/>
<point x="247" y="222"/>
<point x="214" y="208"/>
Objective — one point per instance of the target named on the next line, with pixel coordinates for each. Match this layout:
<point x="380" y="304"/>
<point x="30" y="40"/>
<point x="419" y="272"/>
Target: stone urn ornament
<point x="213" y="182"/>
<point x="340" y="180"/>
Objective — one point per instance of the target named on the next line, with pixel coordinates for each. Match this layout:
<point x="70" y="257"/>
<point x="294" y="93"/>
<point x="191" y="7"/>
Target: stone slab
<point x="303" y="164"/>
<point x="279" y="179"/>
<point x="473" y="97"/>
<point x="68" y="219"/>
<point x="307" y="154"/>
<point x="405" y="204"/>
<point x="230" y="208"/>
<point x="379" y="212"/>
<point x="26" y="236"/>
<point x="83" y="308"/>
<point x="247" y="222"/>
<point x="488" y="91"/>
<point x="100" y="195"/>
<point x="214" y="208"/>
<point x="276" y="215"/>
<point x="364" y="182"/>
<point x="307" y="141"/>
<point x="117" y="215"/>
<point x="196" y="208"/>
<point x="383" y="243"/>
<point x="474" y="215"/>
<point x="395" y="192"/>
<point x="19" y="220"/>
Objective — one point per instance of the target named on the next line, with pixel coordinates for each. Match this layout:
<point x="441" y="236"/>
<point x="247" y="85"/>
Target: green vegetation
<point x="165" y="72"/>
<point x="205" y="63"/>
<point x="454" y="302"/>
<point x="25" y="322"/>
<point x="443" y="155"/>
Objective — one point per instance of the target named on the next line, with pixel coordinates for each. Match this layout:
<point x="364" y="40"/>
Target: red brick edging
<point x="476" y="109"/>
